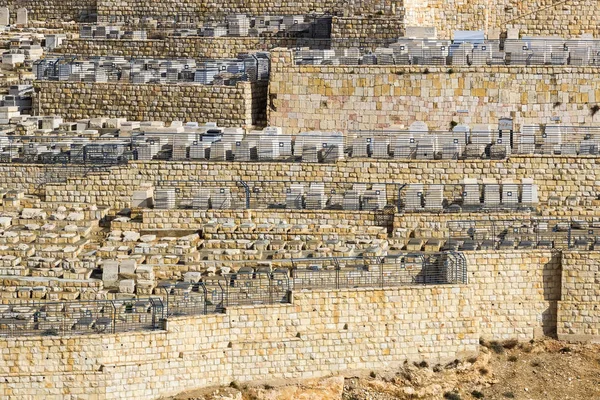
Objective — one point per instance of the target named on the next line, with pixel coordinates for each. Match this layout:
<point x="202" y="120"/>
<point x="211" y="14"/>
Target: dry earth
<point x="541" y="370"/>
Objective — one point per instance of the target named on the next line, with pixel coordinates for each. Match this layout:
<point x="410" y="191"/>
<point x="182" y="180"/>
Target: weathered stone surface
<point x="240" y="105"/>
<point x="317" y="97"/>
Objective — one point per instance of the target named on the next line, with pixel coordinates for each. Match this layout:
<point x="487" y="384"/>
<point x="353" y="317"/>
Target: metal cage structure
<point x="80" y="317"/>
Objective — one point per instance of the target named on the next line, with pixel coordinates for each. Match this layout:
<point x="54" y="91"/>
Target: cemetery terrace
<point x="255" y="191"/>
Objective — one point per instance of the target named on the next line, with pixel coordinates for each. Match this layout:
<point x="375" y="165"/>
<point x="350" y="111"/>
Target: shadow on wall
<point x="552" y="283"/>
<point x="259" y="92"/>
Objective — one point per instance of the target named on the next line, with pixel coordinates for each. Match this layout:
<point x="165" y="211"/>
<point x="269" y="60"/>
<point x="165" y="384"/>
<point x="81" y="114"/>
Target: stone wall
<point x="542" y="17"/>
<point x="125" y="10"/>
<point x="559" y="176"/>
<point x="515" y="293"/>
<point x="193" y="219"/>
<point x="579" y="306"/>
<point x="346" y="32"/>
<point x="34" y="178"/>
<point x="174" y="47"/>
<point x="45" y="10"/>
<point x="366" y="31"/>
<point x="319" y="334"/>
<point x="240" y="105"/>
<point x="568" y="18"/>
<point x="376" y="97"/>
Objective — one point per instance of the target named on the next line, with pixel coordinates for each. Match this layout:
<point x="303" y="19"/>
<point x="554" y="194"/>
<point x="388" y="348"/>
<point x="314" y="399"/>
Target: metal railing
<point x="249" y="286"/>
<point x="534" y="233"/>
<point x="78" y="149"/>
<point x="380" y="271"/>
<point x="215" y="293"/>
<point x="435" y="52"/>
<point x="80" y="317"/>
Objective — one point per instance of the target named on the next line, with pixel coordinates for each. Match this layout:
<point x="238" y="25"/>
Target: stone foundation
<point x="240" y="105"/>
<point x="51" y="10"/>
<point x="377" y="97"/>
<point x="174" y="47"/>
<point x="579" y="310"/>
<point x="319" y="334"/>
<point x="569" y="18"/>
<point x="555" y="176"/>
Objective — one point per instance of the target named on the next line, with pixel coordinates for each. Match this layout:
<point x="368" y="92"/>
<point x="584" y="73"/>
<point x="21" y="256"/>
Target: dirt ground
<point x="541" y="370"/>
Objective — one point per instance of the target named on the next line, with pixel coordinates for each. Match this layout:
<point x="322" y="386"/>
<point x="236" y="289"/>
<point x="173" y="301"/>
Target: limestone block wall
<point x="322" y="332"/>
<point x="362" y="31"/>
<point x="346" y="31"/>
<point x="559" y="176"/>
<point x="579" y="307"/>
<point x="174" y="47"/>
<point x="45" y="10"/>
<point x="124" y="10"/>
<point x="515" y="293"/>
<point x="425" y="225"/>
<point x="240" y="105"/>
<point x="193" y="219"/>
<point x="34" y="178"/>
<point x="314" y="97"/>
<point x="568" y="18"/>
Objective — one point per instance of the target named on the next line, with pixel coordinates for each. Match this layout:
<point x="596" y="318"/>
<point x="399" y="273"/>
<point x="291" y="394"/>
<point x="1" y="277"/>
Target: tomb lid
<point x="477" y="37"/>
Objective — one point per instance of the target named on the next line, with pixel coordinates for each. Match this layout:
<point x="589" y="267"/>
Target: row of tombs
<point x="53" y="252"/>
<point x="471" y="195"/>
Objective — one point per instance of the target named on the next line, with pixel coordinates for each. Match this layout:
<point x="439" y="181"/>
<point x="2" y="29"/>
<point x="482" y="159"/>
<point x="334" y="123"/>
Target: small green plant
<point x="268" y="387"/>
<point x="512" y="358"/>
<point x="373" y="374"/>
<point x="477" y="394"/>
<point x="235" y="385"/>
<point x="510" y="344"/>
<point x="426" y="71"/>
<point x="437" y="368"/>
<point x="594" y="109"/>
<point x="452" y="125"/>
<point x="452" y="396"/>
<point x="508" y="395"/>
<point x="557" y="104"/>
<point x="422" y="364"/>
<point x="450" y="71"/>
